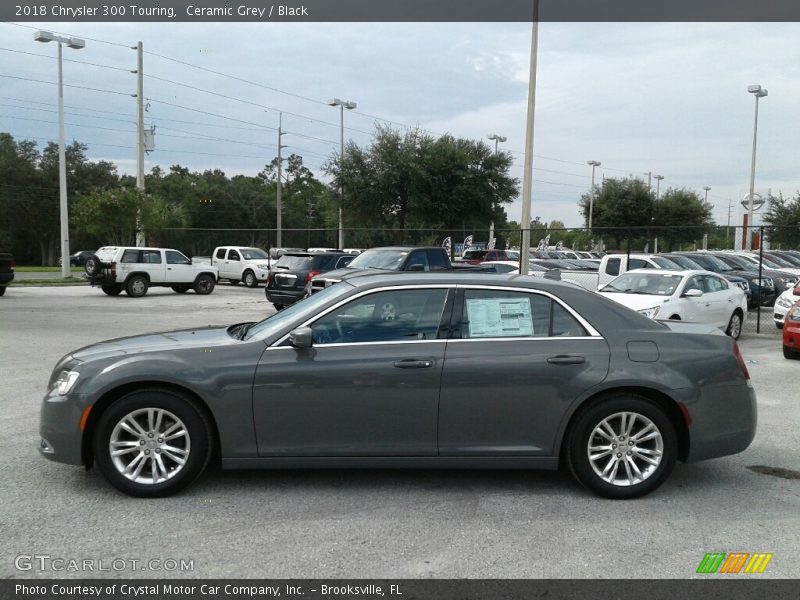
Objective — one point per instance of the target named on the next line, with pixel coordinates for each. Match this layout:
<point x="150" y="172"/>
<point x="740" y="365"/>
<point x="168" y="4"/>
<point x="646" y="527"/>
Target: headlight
<point x="65" y="381"/>
<point x="789" y="281"/>
<point x="744" y="285"/>
<point x="794" y="315"/>
<point x="650" y="313"/>
<point x="784" y="302"/>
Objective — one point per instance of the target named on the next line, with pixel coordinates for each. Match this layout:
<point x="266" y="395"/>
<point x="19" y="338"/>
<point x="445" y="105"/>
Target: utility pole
<point x="593" y="164"/>
<point x="728" y="228"/>
<point x="279" y="237"/>
<point x="140" y="237"/>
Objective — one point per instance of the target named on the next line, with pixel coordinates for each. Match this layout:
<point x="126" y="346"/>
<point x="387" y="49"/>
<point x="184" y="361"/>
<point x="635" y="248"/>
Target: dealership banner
<point x="398" y="589"/>
<point x="399" y="10"/>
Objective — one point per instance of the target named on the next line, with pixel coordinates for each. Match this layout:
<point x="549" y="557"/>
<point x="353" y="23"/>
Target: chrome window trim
<point x="318" y="316"/>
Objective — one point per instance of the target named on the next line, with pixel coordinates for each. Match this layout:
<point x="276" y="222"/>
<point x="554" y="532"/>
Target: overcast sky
<point x="665" y="98"/>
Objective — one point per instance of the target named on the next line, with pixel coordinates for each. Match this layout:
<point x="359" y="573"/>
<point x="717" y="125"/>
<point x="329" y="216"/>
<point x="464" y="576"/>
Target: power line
<point x="69" y="85"/>
<point x="72" y="60"/>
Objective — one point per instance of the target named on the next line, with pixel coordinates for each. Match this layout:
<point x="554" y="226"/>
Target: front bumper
<point x="59" y="428"/>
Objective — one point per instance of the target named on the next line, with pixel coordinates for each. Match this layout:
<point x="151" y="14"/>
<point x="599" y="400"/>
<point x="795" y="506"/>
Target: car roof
<point x="687" y="272"/>
<point x="375" y="278"/>
<point x="314" y="254"/>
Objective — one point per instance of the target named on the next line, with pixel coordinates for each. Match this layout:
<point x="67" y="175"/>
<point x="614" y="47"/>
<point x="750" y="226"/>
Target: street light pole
<point x="706" y="188"/>
<point x="342" y="104"/>
<point x="140" y="234"/>
<point x="497" y="138"/>
<point x="527" y="174"/>
<point x="279" y="206"/>
<point x="75" y="44"/>
<point x="758" y="92"/>
<point x="593" y="164"/>
<point x="658" y="179"/>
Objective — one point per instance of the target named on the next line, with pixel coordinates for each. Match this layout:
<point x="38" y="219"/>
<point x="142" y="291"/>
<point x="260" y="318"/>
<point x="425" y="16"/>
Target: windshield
<point x="379" y="259"/>
<point x="665" y="263"/>
<point x="711" y="263"/>
<point x="686" y="263"/>
<point x="253" y="254"/>
<point x="650" y="284"/>
<point x="776" y="262"/>
<point x="298" y="311"/>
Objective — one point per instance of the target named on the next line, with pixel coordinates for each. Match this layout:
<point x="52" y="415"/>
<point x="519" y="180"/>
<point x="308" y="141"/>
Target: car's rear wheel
<point x="779" y="325"/>
<point x="250" y="279"/>
<point x="790" y="353"/>
<point x="152" y="443"/>
<point x="735" y="325"/>
<point x="233" y="281"/>
<point x="137" y="286"/>
<point x="2" y="290"/>
<point x="204" y="284"/>
<point x="623" y="447"/>
<point x="181" y="288"/>
<point x="278" y="306"/>
<point x="92" y="266"/>
<point x="111" y="289"/>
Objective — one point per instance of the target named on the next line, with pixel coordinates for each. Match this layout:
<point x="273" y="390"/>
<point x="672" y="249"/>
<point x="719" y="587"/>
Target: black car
<point x="762" y="291"/>
<point x="286" y="283"/>
<point x="781" y="279"/>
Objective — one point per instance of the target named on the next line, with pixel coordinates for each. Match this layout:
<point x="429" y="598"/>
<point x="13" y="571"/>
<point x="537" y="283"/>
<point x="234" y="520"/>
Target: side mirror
<point x="416" y="267"/>
<point x="301" y="337"/>
<point x="693" y="293"/>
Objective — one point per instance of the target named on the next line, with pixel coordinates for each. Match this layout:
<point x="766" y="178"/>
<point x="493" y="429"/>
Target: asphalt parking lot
<point x="383" y="524"/>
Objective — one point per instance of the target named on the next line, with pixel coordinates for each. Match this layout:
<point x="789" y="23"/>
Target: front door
<point x="369" y="385"/>
<point x="518" y="361"/>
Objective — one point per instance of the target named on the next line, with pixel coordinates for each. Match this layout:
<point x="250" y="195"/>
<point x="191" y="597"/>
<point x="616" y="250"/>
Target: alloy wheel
<point x="625" y="449"/>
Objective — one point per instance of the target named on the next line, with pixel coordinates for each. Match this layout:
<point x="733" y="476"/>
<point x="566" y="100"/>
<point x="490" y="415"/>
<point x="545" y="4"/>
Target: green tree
<point x="783" y="221"/>
<point x="681" y="215"/>
<point x="620" y="205"/>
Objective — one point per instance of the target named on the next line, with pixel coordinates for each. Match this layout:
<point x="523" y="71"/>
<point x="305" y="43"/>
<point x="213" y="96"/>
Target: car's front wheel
<point x="152" y="443"/>
<point x="790" y="353"/>
<point x="204" y="284"/>
<point x="137" y="286"/>
<point x="735" y="325"/>
<point x="623" y="447"/>
<point x="111" y="289"/>
<point x="250" y="279"/>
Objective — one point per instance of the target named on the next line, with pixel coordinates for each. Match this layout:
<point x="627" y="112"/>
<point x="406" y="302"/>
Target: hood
<point x="636" y="301"/>
<point x="347" y="272"/>
<point x="155" y="342"/>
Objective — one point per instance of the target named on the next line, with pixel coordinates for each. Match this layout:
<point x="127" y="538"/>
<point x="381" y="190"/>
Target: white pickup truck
<point x="612" y="265"/>
<point x="240" y="263"/>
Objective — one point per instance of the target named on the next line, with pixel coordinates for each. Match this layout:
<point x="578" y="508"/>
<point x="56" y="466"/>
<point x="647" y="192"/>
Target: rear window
<point x="291" y="262"/>
<point x="473" y="254"/>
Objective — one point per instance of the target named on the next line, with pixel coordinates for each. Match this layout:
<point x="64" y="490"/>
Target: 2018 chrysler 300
<point x="418" y="370"/>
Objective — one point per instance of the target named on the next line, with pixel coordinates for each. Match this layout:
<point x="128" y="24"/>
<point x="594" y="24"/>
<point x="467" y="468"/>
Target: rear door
<point x="154" y="265"/>
<point x="517" y="361"/>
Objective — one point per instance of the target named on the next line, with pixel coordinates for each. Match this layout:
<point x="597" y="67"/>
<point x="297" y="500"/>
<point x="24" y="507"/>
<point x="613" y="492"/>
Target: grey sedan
<point x="408" y="371"/>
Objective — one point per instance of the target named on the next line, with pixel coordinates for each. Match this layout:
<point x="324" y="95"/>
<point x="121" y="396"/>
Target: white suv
<point x="239" y="263"/>
<point x="135" y="270"/>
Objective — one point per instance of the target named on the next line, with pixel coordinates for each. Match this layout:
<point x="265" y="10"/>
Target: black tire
<point x="675" y="318"/>
<point x="136" y="286"/>
<point x="199" y="442"/>
<point x="92" y="265"/>
<point x="735" y="323"/>
<point x="204" y="284"/>
<point x="111" y="289"/>
<point x="249" y="279"/>
<point x="181" y="288"/>
<point x="233" y="281"/>
<point x="790" y="353"/>
<point x="779" y="325"/>
<point x="278" y="306"/>
<point x="581" y="434"/>
<point x="2" y="290"/>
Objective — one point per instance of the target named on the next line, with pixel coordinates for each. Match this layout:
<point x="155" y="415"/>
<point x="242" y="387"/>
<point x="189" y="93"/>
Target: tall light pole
<point x="658" y="179"/>
<point x="278" y="204"/>
<point x="497" y="138"/>
<point x="140" y="234"/>
<point x="594" y="164"/>
<point x="707" y="189"/>
<point x="342" y="104"/>
<point x="527" y="173"/>
<point x="75" y="44"/>
<point x="758" y="92"/>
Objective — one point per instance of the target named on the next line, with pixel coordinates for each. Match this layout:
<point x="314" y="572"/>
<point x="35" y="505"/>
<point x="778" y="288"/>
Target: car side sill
<point x="394" y="462"/>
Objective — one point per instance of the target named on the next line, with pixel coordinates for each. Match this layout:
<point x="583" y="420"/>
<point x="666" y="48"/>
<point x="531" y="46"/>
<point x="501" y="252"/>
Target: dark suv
<point x="286" y="282"/>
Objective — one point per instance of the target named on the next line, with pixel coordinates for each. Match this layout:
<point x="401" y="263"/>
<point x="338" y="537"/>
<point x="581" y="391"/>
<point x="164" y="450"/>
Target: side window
<point x="638" y="263"/>
<point x="695" y="283"/>
<point x="612" y="266"/>
<point x="564" y="324"/>
<point x="221" y="253"/>
<point x="176" y="258"/>
<point x="151" y="257"/>
<point x="493" y="314"/>
<point x="420" y="257"/>
<point x="438" y="261"/>
<point x="392" y="316"/>
<point x="344" y="261"/>
<point x="713" y="284"/>
<point x="233" y="255"/>
<point x="130" y="256"/>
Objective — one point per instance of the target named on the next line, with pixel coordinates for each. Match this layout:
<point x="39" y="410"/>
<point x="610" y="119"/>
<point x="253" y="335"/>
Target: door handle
<point x="566" y="360"/>
<point x="413" y="364"/>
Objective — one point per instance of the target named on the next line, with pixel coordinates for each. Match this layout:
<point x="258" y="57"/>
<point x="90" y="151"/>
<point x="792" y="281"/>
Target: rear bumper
<point x="723" y="422"/>
<point x="6" y="278"/>
<point x="285" y="297"/>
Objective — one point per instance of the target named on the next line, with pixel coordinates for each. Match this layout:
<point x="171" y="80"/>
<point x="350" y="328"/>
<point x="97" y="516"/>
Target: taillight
<point x="113" y="270"/>
<point x="311" y="275"/>
<point x="13" y="264"/>
<point x="269" y="278"/>
<point x="738" y="354"/>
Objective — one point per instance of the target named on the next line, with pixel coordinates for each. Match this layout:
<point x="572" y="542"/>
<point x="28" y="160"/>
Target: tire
<point x="675" y="318"/>
<point x="233" y="281"/>
<point x="136" y="286"/>
<point x="181" y="288"/>
<point x="249" y="279"/>
<point x="790" y="353"/>
<point x="204" y="284"/>
<point x="779" y="325"/>
<point x="734" y="328"/>
<point x="583" y="432"/>
<point x="177" y="413"/>
<point x="111" y="289"/>
<point x="92" y="265"/>
<point x="2" y="290"/>
<point x="278" y="306"/>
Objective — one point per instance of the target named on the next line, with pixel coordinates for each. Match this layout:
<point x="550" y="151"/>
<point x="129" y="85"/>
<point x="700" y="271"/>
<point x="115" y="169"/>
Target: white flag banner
<point x="447" y="244"/>
<point x="467" y="244"/>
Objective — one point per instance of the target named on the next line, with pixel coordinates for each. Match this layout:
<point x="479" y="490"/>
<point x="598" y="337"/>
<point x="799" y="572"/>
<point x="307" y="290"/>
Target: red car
<point x="476" y="257"/>
<point x="791" y="332"/>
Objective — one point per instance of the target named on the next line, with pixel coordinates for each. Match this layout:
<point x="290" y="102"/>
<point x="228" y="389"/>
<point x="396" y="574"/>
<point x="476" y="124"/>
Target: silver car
<point x="417" y="370"/>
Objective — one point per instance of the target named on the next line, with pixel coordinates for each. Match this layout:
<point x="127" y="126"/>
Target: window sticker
<point x="499" y="317"/>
